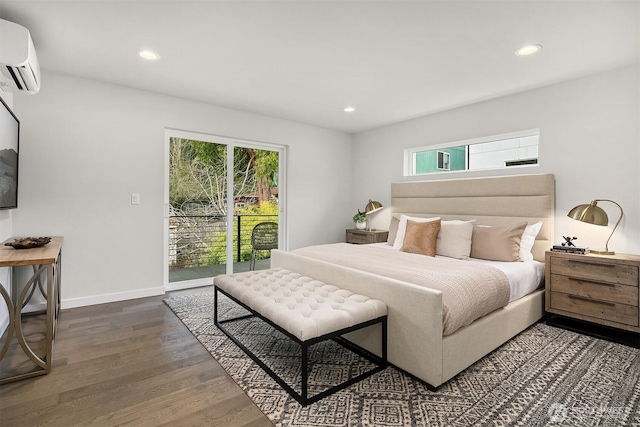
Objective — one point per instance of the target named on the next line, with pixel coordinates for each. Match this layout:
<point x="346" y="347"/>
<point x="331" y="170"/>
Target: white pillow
<point x="528" y="239"/>
<point x="393" y="229"/>
<point x="402" y="228"/>
<point x="454" y="240"/>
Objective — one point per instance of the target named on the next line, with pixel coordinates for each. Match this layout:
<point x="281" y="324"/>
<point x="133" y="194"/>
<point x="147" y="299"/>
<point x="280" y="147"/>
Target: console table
<point x="45" y="260"/>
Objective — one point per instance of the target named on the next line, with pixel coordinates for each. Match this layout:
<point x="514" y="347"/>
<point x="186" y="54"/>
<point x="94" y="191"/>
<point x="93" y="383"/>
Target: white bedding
<point x="524" y="277"/>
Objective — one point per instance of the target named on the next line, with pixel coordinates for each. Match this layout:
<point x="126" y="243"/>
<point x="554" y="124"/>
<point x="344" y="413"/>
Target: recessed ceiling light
<point x="348" y="109"/>
<point x="528" y="50"/>
<point x="148" y="55"/>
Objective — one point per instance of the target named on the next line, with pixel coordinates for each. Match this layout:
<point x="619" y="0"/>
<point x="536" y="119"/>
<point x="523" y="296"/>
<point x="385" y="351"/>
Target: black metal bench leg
<point x="215" y="306"/>
<point x="305" y="372"/>
<point x="384" y="341"/>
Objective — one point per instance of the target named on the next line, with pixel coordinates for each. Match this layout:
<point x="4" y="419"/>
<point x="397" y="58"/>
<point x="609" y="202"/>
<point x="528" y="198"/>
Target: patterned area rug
<point x="544" y="376"/>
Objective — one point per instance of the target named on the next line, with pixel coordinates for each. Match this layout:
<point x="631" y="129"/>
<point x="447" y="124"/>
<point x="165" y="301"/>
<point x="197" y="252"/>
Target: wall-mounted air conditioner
<point x="18" y="60"/>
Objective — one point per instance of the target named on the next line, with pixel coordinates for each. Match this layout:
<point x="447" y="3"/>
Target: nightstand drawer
<point x="363" y="237"/>
<point x="620" y="313"/>
<point x="588" y="288"/>
<point x="623" y="274"/>
<point x="359" y="237"/>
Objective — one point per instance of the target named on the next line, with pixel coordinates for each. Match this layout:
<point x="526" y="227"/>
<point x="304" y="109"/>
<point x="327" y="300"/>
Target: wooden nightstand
<point x="594" y="288"/>
<point x="363" y="237"/>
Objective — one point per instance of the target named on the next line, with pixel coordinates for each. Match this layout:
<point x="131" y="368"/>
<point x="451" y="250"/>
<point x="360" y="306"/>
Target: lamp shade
<point x="372" y="206"/>
<point x="590" y="213"/>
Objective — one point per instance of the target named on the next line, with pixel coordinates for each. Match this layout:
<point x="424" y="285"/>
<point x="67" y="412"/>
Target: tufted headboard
<point x="503" y="200"/>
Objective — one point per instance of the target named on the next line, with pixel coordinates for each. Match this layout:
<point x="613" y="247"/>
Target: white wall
<point x="86" y="146"/>
<point x="589" y="138"/>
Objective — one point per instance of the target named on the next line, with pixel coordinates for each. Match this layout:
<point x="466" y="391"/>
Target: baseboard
<point x="106" y="298"/>
<point x="188" y="284"/>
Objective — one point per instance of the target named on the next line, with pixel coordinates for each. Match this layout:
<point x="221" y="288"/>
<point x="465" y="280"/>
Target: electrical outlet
<point x="135" y="198"/>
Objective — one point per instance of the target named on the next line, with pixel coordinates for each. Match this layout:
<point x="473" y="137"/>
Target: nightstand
<point x="363" y="237"/>
<point x="594" y="288"/>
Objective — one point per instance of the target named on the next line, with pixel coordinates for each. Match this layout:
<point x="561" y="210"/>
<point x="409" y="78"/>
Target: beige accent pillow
<point x="421" y="237"/>
<point x="393" y="230"/>
<point x="497" y="243"/>
<point x="402" y="225"/>
<point x="454" y="239"/>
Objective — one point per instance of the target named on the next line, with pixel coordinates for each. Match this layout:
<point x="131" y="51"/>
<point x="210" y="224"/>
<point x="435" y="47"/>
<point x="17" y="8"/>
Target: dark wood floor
<point x="130" y="362"/>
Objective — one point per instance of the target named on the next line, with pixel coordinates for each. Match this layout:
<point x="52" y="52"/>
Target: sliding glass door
<point x="224" y="206"/>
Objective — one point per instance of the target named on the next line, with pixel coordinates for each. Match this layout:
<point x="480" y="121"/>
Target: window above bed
<point x="506" y="151"/>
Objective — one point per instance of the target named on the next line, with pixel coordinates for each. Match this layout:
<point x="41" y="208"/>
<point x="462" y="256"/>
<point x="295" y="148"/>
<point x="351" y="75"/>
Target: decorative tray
<point x="28" y="242"/>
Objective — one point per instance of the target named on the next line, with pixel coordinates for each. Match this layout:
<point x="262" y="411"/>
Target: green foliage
<point x="181" y="181"/>
<point x="208" y="153"/>
<point x="360" y="217"/>
<point x="267" y="166"/>
<point x="198" y="173"/>
<point x="265" y="208"/>
<point x="198" y="186"/>
<point x="249" y="216"/>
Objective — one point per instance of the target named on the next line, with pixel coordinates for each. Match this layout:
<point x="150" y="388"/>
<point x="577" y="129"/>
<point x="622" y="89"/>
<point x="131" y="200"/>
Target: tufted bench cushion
<point x="304" y="307"/>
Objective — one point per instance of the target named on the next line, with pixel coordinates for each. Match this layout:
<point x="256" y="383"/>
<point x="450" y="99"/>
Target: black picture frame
<point x="9" y="155"/>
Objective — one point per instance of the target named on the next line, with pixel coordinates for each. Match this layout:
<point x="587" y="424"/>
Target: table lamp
<point x="593" y="214"/>
<point x="371" y="207"/>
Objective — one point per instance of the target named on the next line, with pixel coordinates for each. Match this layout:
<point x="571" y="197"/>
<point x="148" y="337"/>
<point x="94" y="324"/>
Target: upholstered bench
<point x="307" y="311"/>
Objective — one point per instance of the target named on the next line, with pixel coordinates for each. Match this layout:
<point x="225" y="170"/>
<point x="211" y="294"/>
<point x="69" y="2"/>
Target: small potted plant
<point x="361" y="220"/>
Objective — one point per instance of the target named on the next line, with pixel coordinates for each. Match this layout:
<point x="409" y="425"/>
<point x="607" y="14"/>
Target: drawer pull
<point x="597" y="282"/>
<point x="591" y="262"/>
<point x="581" y="298"/>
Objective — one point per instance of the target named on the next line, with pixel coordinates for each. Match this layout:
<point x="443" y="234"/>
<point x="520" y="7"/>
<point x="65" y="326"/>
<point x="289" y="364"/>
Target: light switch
<point x="135" y="198"/>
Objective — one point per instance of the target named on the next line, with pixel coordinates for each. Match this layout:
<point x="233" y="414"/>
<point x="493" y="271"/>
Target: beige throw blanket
<point x="469" y="290"/>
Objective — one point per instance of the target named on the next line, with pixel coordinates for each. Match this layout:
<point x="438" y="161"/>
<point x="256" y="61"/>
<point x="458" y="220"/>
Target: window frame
<point x="410" y="153"/>
<point x="446" y="165"/>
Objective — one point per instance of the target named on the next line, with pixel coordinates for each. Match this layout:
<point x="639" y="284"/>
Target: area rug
<point x="543" y="376"/>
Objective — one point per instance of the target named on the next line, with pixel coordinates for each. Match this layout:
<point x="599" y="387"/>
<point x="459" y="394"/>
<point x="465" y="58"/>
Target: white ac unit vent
<point x="18" y="60"/>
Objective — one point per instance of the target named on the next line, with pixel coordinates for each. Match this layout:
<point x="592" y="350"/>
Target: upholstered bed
<point x="420" y="341"/>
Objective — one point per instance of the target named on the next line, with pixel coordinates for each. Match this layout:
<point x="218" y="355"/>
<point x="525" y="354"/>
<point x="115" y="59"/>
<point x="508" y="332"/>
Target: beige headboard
<point x="503" y="200"/>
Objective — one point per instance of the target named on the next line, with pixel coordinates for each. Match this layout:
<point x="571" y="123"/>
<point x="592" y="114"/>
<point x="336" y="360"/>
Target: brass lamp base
<point x="603" y="252"/>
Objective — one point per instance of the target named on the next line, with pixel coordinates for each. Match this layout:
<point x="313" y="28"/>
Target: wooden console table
<point x="46" y="259"/>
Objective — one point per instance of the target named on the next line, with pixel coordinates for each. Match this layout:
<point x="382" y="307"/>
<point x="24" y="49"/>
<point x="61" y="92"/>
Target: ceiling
<point x="305" y="61"/>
